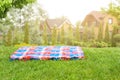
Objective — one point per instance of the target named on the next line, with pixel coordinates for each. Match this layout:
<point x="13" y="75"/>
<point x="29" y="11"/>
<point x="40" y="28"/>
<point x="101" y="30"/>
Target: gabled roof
<point x="55" y="22"/>
<point x="98" y="15"/>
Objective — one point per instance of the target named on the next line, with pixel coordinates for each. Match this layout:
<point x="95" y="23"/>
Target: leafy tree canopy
<point x="5" y="5"/>
<point x="113" y="9"/>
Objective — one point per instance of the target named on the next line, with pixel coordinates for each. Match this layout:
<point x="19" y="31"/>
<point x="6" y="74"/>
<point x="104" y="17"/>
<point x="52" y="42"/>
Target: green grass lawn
<point x="99" y="64"/>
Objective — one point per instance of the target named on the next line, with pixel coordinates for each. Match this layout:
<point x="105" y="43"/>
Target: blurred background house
<point x="98" y="18"/>
<point x="59" y="23"/>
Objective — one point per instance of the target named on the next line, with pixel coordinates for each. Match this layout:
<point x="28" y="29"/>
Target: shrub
<point x="101" y="44"/>
<point x="117" y="37"/>
<point x="92" y="44"/>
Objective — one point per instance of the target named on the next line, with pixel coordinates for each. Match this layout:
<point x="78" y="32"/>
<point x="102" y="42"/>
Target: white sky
<point x="74" y="10"/>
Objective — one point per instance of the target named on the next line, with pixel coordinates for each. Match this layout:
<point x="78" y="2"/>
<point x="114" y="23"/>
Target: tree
<point x="30" y="13"/>
<point x="70" y="37"/>
<point x="5" y="5"/>
<point x="62" y="35"/>
<point x="45" y="34"/>
<point x="54" y="35"/>
<point x="4" y="39"/>
<point x="18" y="35"/>
<point x="36" y="35"/>
<point x="9" y="37"/>
<point x="92" y="33"/>
<point x="85" y="33"/>
<point x="4" y="30"/>
<point x="15" y="36"/>
<point x="26" y="34"/>
<point x="113" y="34"/>
<point x="107" y="38"/>
<point x="113" y="9"/>
<point x="77" y="33"/>
<point x="21" y="3"/>
<point x="100" y="33"/>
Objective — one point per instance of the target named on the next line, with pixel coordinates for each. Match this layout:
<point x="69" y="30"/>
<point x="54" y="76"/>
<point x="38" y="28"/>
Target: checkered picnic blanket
<point x="48" y="53"/>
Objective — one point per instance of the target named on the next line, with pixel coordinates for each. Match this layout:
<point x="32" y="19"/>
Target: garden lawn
<point x="99" y="64"/>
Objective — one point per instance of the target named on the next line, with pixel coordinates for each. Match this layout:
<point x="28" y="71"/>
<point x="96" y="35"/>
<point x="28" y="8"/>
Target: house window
<point x="110" y="20"/>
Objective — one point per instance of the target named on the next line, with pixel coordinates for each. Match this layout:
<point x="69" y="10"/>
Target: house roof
<point x="98" y="15"/>
<point x="55" y="22"/>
